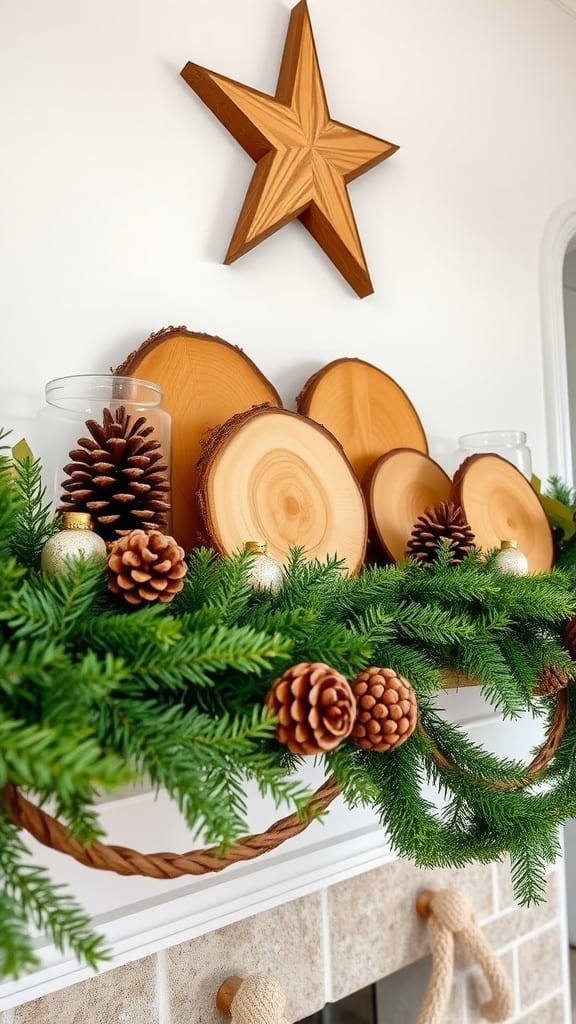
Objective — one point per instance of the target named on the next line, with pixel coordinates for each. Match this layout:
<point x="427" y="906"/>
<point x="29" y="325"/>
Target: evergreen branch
<point x="34" y="522"/>
<point x="48" y="906"/>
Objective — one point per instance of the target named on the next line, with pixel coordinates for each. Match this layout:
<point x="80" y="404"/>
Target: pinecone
<point x="315" y="708"/>
<point x="146" y="566"/>
<point x="551" y="681"/>
<point x="570" y="637"/>
<point x="443" y="521"/>
<point x="387" y="709"/>
<point x="118" y="476"/>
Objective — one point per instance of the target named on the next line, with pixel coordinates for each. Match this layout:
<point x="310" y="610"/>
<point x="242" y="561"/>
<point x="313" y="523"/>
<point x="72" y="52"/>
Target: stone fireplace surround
<point x="326" y="945"/>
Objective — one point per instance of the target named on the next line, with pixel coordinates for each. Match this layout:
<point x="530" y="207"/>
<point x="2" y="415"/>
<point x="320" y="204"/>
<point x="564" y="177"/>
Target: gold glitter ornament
<point x="510" y="560"/>
<point x="75" y="539"/>
<point x="265" y="573"/>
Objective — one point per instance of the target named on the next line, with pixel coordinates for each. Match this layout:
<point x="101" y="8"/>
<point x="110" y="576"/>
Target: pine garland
<point x="93" y="695"/>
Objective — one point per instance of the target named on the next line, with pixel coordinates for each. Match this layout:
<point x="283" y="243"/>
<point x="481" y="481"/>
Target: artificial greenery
<point x="560" y="505"/>
<point x="94" y="694"/>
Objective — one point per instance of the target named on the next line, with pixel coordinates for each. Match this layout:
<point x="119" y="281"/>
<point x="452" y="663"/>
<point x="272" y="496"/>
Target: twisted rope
<point x="125" y="861"/>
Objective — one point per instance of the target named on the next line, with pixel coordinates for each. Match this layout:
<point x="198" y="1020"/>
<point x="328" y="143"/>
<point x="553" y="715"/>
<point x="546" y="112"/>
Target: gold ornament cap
<point x="506" y="544"/>
<point x="256" y="547"/>
<point x="77" y="521"/>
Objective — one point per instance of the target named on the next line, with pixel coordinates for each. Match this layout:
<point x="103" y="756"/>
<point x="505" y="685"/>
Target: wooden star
<point x="304" y="159"/>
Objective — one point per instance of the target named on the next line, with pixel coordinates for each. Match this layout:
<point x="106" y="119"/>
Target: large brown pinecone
<point x="551" y="681"/>
<point x="315" y="708"/>
<point x="146" y="566"/>
<point x="445" y="521"/>
<point x="387" y="709"/>
<point x="118" y="475"/>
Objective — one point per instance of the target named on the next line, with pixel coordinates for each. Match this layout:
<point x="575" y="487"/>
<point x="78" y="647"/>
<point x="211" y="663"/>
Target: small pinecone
<point x="387" y="709"/>
<point x="570" y="637"/>
<point x="146" y="567"/>
<point x="443" y="521"/>
<point x="118" y="475"/>
<point x="551" y="681"/>
<point x="315" y="708"/>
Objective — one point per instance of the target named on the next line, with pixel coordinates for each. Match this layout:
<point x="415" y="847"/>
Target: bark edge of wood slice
<point x="398" y="488"/>
<point x="204" y="380"/>
<point x="500" y="504"/>
<point x="272" y="475"/>
<point x="365" y="409"/>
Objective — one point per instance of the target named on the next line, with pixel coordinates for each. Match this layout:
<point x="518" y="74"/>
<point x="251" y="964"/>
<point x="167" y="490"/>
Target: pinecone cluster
<point x="445" y="521"/>
<point x="118" y="475"/>
<point x="146" y="566"/>
<point x="315" y="708"/>
<point x="387" y="709"/>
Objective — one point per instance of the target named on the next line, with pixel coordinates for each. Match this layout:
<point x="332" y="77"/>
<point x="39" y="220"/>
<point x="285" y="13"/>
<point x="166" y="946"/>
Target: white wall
<point x="569" y="296"/>
<point x="120" y="191"/>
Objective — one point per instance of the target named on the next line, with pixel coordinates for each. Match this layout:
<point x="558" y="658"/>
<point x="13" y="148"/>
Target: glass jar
<point x="71" y="401"/>
<point x="509" y="444"/>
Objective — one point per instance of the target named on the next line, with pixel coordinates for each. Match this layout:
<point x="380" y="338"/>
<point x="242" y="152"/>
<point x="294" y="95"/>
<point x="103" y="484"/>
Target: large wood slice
<point x="204" y="380"/>
<point x="398" y="488"/>
<point x="272" y="475"/>
<point x="364" y="408"/>
<point x="500" y="504"/>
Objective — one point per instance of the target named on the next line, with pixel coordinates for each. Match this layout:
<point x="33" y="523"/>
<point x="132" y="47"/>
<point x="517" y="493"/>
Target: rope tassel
<point x="450" y="917"/>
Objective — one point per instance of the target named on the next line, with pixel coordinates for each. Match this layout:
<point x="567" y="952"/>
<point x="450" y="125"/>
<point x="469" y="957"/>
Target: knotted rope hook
<point x="257" y="999"/>
<point x="450" y="917"/>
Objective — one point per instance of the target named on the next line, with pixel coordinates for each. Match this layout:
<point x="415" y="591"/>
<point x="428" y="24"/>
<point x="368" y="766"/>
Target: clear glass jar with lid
<point x="509" y="444"/>
<point x="72" y="401"/>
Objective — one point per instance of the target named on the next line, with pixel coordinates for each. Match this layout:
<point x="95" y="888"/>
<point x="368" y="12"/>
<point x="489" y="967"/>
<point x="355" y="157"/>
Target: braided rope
<point x="124" y="861"/>
<point x="539" y="762"/>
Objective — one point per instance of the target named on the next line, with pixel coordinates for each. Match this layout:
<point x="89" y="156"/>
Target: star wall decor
<point x="304" y="159"/>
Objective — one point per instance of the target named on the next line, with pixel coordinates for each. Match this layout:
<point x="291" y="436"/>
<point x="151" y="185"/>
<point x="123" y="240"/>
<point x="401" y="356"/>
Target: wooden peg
<point x="226" y="993"/>
<point x="423" y="903"/>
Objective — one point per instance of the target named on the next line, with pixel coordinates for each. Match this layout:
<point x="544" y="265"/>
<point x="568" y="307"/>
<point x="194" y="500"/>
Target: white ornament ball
<point x="265" y="573"/>
<point x="510" y="560"/>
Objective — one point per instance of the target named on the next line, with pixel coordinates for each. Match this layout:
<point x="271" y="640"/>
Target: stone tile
<point x="126" y="995"/>
<point x="540" y="965"/>
<point x="552" y="1012"/>
<point x="522" y="920"/>
<point x="477" y="991"/>
<point x="504" y="890"/>
<point x="380" y="906"/>
<point x="285" y="942"/>
<point x="7" y="1017"/>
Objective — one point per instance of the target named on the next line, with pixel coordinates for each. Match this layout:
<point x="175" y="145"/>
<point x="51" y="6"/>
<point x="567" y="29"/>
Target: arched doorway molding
<point x="559" y="232"/>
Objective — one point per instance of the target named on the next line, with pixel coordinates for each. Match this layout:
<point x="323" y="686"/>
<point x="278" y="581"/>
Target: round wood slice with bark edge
<point x="204" y="381"/>
<point x="398" y="488"/>
<point x="500" y="504"/>
<point x="365" y="409"/>
<point x="275" y="476"/>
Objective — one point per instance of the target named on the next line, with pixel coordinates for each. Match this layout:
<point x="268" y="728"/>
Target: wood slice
<point x="205" y="380"/>
<point x="273" y="475"/>
<point x="364" y="408"/>
<point x="500" y="504"/>
<point x="398" y="488"/>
